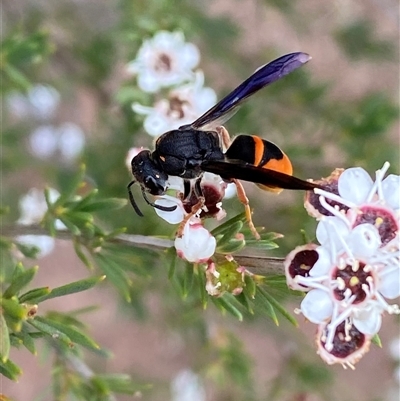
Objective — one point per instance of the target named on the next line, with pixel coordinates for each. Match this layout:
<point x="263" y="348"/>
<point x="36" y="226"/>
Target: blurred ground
<point x="147" y="350"/>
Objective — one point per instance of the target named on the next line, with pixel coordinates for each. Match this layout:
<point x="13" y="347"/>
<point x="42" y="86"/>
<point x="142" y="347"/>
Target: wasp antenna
<point x="159" y="207"/>
<point x="132" y="200"/>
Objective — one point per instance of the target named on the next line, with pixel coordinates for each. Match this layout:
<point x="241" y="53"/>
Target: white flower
<point x="44" y="100"/>
<point x="71" y="141"/>
<point x="196" y="245"/>
<point x="213" y="188"/>
<point x="187" y="386"/>
<point x="33" y="207"/>
<point x="348" y="281"/>
<point x="43" y="242"/>
<point x="361" y="200"/>
<point x="43" y="141"/>
<point x="183" y="106"/>
<point x="394" y="348"/>
<point x="41" y="102"/>
<point x="68" y="139"/>
<point x="164" y="60"/>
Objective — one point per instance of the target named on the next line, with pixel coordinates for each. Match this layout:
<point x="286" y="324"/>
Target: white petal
<point x="367" y="320"/>
<point x="148" y="82"/>
<point x="389" y="285"/>
<point x="323" y="265"/>
<point x="156" y="124"/>
<point x="71" y="140"/>
<point x="364" y="240"/>
<point x="189" y="55"/>
<point x="354" y="184"/>
<point x="317" y="306"/>
<point x="391" y="190"/>
<point x="174" y="217"/>
<point x="331" y="232"/>
<point x="230" y="191"/>
<point x="197" y="245"/>
<point x="43" y="141"/>
<point x="43" y="242"/>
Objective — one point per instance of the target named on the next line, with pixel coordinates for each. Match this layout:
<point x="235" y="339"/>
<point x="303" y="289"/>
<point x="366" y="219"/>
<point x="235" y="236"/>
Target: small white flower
<point x="187" y="386"/>
<point x="44" y="100"/>
<point x="43" y="242"/>
<point x="172" y="217"/>
<point x="68" y="139"/>
<point x="213" y="188"/>
<point x="41" y="102"/>
<point x="196" y="245"/>
<point x="164" y="60"/>
<point x="33" y="207"/>
<point x="43" y="141"/>
<point x="183" y="106"/>
<point x="71" y="141"/>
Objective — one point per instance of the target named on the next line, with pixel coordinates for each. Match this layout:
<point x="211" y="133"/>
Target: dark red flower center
<point x="346" y="341"/>
<point x="381" y="218"/>
<point x="303" y="262"/>
<point x="353" y="277"/>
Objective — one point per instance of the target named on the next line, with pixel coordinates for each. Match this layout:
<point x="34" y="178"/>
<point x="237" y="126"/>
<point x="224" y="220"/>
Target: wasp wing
<point x="231" y="169"/>
<point x="263" y="76"/>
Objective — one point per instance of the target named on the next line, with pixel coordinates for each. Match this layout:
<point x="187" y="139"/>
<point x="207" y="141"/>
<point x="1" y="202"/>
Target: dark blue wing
<point x="263" y="76"/>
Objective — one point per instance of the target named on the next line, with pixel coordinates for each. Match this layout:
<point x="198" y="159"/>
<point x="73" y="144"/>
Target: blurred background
<point x="66" y="99"/>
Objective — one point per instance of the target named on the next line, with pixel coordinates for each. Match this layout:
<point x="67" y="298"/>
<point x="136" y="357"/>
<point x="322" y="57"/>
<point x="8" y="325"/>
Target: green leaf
<point x="10" y="370"/>
<point x="53" y="332"/>
<point x="32" y="295"/>
<point x="72" y="288"/>
<point x="229" y="233"/>
<point x="233" y="245"/>
<point x="187" y="279"/>
<point x="223" y="228"/>
<point x="4" y="340"/>
<point x="250" y="287"/>
<point x="19" y="281"/>
<point x="201" y="278"/>
<point x="115" y="274"/>
<point x="278" y="306"/>
<point x="103" y="204"/>
<point x="27" y="340"/>
<point x="225" y="302"/>
<point x="376" y="340"/>
<point x="73" y="334"/>
<point x="13" y="309"/>
<point x="119" y="383"/>
<point x="81" y="254"/>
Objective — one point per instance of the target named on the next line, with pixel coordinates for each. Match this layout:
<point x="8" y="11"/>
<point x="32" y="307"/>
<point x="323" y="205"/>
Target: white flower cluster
<point x="356" y="268"/>
<point x="166" y="61"/>
<point x="33" y="207"/>
<point x="66" y="140"/>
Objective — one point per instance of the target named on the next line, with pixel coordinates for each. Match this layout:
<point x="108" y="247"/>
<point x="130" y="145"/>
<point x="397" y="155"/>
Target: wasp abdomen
<point x="259" y="153"/>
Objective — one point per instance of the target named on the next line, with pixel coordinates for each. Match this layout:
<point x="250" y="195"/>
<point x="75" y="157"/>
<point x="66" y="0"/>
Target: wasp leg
<point x="225" y="137"/>
<point x="245" y="201"/>
<point x="195" y="208"/>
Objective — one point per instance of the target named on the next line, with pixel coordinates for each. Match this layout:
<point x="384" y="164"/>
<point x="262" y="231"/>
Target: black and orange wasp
<point x="205" y="146"/>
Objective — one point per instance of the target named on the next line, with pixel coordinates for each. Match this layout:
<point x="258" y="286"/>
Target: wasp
<point x="205" y="146"/>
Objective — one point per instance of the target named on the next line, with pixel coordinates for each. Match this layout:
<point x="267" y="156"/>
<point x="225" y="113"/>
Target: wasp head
<point x="148" y="174"/>
<point x="151" y="177"/>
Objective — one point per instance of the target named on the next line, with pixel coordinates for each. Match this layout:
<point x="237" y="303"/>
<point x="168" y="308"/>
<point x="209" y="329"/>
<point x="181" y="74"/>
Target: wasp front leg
<point x="245" y="201"/>
<point x="198" y="193"/>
